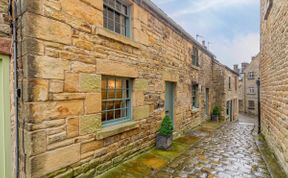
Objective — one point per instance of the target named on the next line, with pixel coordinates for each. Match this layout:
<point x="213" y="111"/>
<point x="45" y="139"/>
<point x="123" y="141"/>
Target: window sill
<point x="117" y="37"/>
<point x="116" y="129"/>
<point x="194" y="110"/>
<point x="195" y="67"/>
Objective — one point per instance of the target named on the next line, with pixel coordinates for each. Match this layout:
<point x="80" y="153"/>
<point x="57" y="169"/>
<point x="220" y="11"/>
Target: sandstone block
<point x="45" y="67"/>
<point x="48" y="29"/>
<point x="138" y="98"/>
<point x="82" y="67"/>
<point x="72" y="127"/>
<point x="89" y="124"/>
<point x="140" y="85"/>
<point x="51" y="110"/>
<point x="37" y="90"/>
<point x="53" y="160"/>
<point x="83" y="11"/>
<point x="141" y="112"/>
<point x="71" y="83"/>
<point x="90" y="83"/>
<point x="56" y="86"/>
<point x="116" y="69"/>
<point x="93" y="103"/>
<point x="38" y="141"/>
<point x="91" y="146"/>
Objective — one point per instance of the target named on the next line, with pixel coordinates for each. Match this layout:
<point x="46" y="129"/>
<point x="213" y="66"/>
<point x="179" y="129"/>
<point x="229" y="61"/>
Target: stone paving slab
<point x="151" y="162"/>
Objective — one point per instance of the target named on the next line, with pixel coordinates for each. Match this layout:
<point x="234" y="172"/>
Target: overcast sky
<point x="231" y="26"/>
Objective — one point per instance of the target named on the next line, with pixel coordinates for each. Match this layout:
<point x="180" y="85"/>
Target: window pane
<point x="103" y="116"/>
<point x="124" y="113"/>
<point x="119" y="93"/>
<point x="118" y="104"/>
<point x="117" y="114"/>
<point x="111" y="3"/>
<point x="110" y="115"/>
<point x="104" y="104"/>
<point x="104" y="84"/>
<point x="118" y="6"/>
<point x="104" y="94"/>
<point x="110" y="105"/>
<point x="111" y="94"/>
<point x="117" y="28"/>
<point x="118" y="84"/>
<point x="111" y="84"/>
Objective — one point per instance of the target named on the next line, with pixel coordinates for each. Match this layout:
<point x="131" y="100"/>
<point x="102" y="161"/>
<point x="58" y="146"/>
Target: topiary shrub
<point x="166" y="128"/>
<point x="216" y="111"/>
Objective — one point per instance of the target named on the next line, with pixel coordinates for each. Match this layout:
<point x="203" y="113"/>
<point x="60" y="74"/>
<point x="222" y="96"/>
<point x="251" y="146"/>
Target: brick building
<point x="97" y="77"/>
<point x="247" y="93"/>
<point x="273" y="74"/>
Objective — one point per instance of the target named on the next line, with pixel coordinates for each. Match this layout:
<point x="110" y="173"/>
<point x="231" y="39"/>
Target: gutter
<point x="13" y="24"/>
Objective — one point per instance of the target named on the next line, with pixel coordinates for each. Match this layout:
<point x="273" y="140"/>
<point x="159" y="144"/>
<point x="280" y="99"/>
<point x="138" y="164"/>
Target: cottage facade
<point x="273" y="74"/>
<point x="248" y="95"/>
<point x="97" y="77"/>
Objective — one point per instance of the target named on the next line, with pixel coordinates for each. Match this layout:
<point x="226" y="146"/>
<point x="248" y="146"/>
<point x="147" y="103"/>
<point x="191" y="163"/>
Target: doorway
<point x="207" y="101"/>
<point x="169" y="100"/>
<point x="5" y="133"/>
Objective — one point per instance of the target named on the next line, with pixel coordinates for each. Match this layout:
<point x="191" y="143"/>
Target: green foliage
<point x="166" y="128"/>
<point x="216" y="111"/>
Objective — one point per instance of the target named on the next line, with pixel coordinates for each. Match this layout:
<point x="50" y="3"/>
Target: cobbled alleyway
<point x="229" y="152"/>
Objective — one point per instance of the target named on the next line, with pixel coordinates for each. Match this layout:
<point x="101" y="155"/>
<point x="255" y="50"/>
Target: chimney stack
<point x="204" y="44"/>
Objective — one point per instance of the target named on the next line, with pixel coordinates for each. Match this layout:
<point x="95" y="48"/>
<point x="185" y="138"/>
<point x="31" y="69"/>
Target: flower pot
<point x="163" y="142"/>
<point x="215" y="118"/>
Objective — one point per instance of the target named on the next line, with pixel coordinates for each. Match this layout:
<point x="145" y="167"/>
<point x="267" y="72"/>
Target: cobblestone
<point x="229" y="152"/>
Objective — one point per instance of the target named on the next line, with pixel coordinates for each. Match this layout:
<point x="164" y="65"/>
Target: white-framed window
<point x="195" y="88"/>
<point x="116" y="100"/>
<point x="117" y="16"/>
<point x="251" y="75"/>
<point x="251" y="90"/>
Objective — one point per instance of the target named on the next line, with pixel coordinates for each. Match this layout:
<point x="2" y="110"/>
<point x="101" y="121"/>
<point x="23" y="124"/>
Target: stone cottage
<point x="247" y="93"/>
<point x="95" y="79"/>
<point x="273" y="76"/>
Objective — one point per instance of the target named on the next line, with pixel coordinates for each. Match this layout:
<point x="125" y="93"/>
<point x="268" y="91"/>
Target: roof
<point x="166" y="18"/>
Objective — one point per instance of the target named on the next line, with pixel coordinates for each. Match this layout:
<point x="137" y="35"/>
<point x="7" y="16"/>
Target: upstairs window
<point x="116" y="17"/>
<point x="251" y="90"/>
<point x="195" y="96"/>
<point x="229" y="83"/>
<point x="116" y="100"/>
<point x="251" y="75"/>
<point x="195" y="57"/>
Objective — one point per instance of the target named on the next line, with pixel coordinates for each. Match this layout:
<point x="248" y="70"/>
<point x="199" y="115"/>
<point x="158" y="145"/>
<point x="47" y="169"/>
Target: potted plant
<point x="216" y="113"/>
<point x="165" y="134"/>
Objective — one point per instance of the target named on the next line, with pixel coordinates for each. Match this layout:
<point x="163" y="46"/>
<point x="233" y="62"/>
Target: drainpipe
<point x="259" y="106"/>
<point x="13" y="25"/>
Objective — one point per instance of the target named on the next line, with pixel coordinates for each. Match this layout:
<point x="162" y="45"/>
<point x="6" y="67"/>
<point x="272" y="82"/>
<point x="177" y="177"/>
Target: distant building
<point x="247" y="92"/>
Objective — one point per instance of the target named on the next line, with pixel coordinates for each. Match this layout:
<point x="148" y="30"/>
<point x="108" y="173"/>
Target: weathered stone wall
<point x="252" y="67"/>
<point x="273" y="74"/>
<point x="65" y="51"/>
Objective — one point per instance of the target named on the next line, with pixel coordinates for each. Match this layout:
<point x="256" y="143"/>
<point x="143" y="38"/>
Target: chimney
<point x="236" y="69"/>
<point x="204" y="44"/>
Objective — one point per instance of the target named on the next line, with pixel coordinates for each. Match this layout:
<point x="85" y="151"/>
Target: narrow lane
<point x="229" y="152"/>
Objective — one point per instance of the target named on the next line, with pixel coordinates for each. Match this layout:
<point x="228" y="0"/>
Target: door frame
<point x="5" y="125"/>
<point x="173" y="86"/>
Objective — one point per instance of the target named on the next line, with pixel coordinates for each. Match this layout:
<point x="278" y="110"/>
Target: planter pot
<point x="163" y="142"/>
<point x="215" y="118"/>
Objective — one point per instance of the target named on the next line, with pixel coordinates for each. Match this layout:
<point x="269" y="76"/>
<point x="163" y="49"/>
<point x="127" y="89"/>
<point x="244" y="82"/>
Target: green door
<point x="5" y="133"/>
<point x="169" y="100"/>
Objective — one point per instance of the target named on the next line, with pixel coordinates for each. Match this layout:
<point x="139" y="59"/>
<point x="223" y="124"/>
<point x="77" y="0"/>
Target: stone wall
<point x="65" y="51"/>
<point x="273" y="74"/>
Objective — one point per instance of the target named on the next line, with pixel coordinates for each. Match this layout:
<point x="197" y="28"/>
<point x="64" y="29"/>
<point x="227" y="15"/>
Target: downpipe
<point x="13" y="24"/>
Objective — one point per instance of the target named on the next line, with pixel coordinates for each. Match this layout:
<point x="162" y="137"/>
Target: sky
<point x="232" y="27"/>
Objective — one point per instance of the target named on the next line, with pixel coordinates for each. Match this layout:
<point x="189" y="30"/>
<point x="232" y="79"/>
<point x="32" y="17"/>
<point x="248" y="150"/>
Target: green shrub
<point x="166" y="128"/>
<point x="216" y="111"/>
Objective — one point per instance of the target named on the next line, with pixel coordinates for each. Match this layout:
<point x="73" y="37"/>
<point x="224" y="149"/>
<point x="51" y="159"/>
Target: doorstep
<point x="153" y="160"/>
